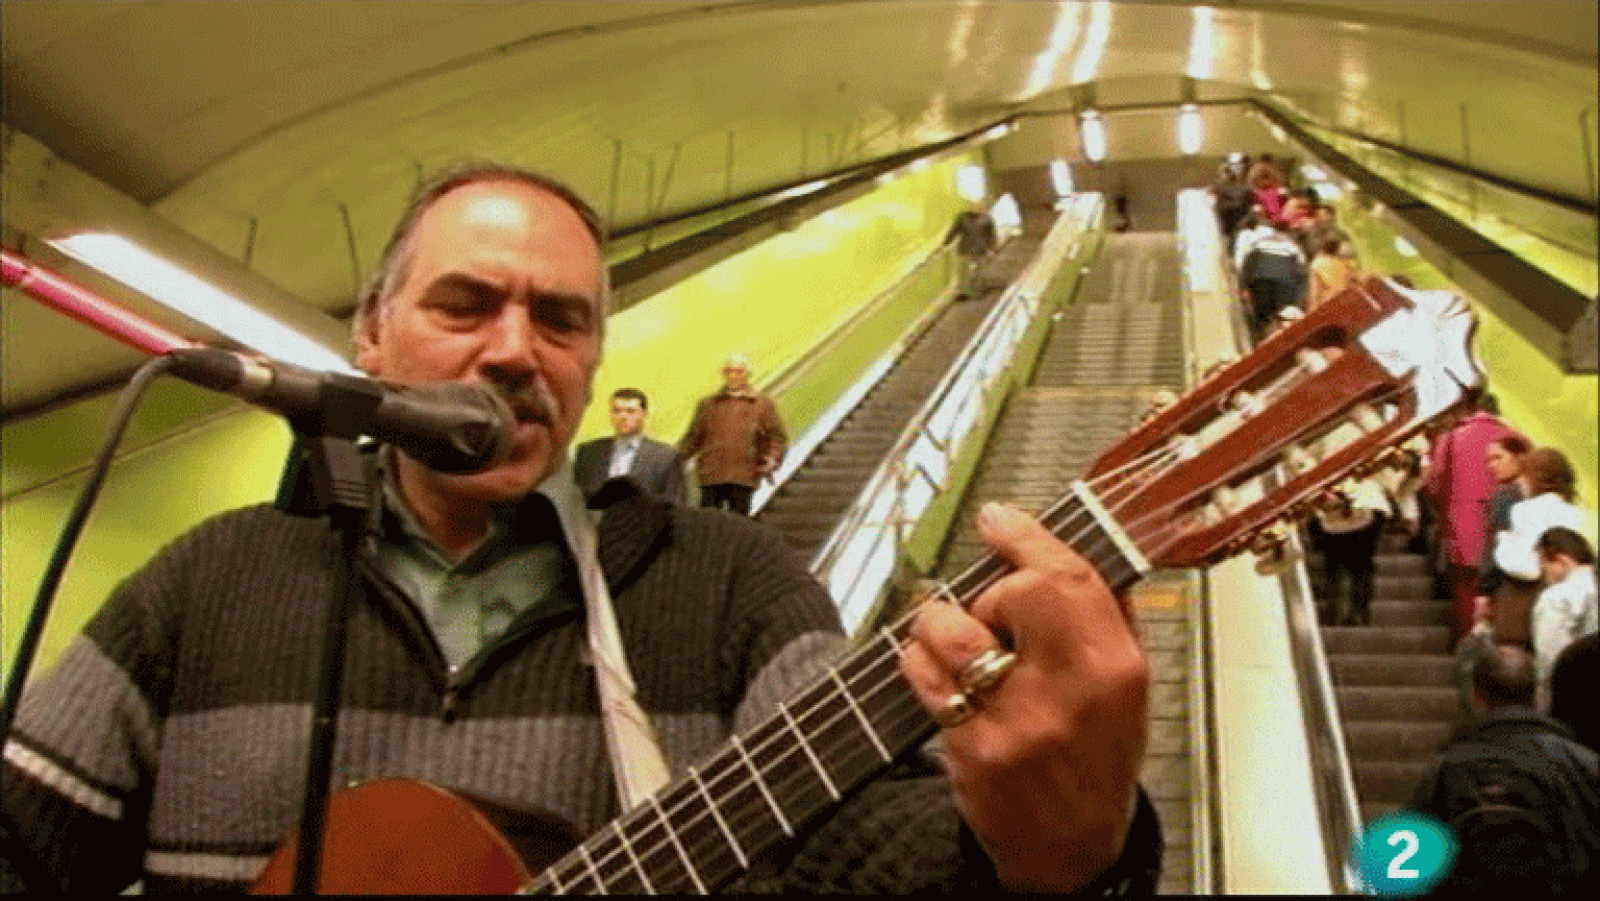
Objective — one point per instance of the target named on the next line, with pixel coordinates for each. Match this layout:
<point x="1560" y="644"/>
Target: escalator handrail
<point x="1020" y="297"/>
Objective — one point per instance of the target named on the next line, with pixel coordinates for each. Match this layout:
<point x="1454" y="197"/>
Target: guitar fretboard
<point x="765" y="785"/>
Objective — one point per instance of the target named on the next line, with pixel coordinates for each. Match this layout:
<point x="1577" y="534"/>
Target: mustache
<point x="531" y="399"/>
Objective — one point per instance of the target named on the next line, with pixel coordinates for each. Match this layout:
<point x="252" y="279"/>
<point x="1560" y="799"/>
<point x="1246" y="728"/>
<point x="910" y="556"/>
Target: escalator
<point x="1395" y="680"/>
<point x="810" y="503"/>
<point x="1107" y="355"/>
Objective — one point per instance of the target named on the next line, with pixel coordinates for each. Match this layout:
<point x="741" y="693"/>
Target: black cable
<point x="56" y="568"/>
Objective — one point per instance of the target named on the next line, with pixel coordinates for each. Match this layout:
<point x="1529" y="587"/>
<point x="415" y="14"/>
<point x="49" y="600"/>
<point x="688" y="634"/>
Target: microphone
<point x="447" y="426"/>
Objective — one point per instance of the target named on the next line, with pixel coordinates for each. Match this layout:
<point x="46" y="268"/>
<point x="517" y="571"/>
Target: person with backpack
<point x="1521" y="796"/>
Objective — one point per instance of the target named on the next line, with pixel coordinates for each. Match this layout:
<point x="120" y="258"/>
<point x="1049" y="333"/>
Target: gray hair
<point x="397" y="253"/>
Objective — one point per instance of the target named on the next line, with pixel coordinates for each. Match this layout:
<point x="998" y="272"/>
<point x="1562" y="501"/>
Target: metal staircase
<point x="1395" y="679"/>
<point x="807" y="507"/>
<point x="1107" y="355"/>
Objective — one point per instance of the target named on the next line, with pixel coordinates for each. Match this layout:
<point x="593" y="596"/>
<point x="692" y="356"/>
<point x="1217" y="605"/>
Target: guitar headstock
<point x="1258" y="442"/>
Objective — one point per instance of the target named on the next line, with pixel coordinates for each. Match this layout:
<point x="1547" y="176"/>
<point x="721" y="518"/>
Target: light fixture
<point x="810" y="187"/>
<point x="1189" y="129"/>
<point x="972" y="182"/>
<point x="1092" y="129"/>
<point x="166" y="283"/>
<point x="1061" y="178"/>
<point x="1313" y="173"/>
<point x="1403" y="247"/>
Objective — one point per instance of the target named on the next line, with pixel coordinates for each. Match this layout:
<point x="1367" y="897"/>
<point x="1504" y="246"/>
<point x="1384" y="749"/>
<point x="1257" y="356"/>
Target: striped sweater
<point x="169" y="742"/>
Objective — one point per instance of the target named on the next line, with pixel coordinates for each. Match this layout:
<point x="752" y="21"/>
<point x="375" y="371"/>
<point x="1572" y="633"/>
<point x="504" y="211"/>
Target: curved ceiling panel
<point x="287" y="134"/>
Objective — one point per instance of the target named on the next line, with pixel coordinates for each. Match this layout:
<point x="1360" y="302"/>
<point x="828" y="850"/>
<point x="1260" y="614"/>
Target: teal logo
<point x="1405" y="853"/>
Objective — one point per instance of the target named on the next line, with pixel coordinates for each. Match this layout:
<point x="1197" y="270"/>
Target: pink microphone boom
<point x="78" y="302"/>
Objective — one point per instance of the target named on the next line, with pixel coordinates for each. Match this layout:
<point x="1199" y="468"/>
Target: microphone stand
<point x="336" y="472"/>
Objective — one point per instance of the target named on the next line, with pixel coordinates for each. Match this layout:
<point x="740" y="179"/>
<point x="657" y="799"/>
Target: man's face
<point x="503" y="288"/>
<point x="627" y="416"/>
<point x="735" y="377"/>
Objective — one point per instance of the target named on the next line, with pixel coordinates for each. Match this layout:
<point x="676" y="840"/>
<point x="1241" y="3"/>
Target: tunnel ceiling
<point x="286" y="134"/>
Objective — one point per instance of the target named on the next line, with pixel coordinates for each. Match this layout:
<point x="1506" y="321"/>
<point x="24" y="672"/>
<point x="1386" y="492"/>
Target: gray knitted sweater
<point x="169" y="742"/>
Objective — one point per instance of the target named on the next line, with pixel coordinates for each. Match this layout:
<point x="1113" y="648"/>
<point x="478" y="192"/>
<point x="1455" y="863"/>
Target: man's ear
<point x="367" y="347"/>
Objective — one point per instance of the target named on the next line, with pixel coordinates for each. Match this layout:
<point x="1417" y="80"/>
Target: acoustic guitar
<point x="1225" y="469"/>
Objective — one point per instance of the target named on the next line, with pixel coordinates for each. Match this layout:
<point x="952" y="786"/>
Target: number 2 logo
<point x="1405" y="853"/>
<point x="1408" y="838"/>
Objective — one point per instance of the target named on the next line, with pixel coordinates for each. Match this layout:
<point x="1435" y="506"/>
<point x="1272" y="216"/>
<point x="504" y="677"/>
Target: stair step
<point x="1387" y="781"/>
<point x="1409" y="613"/>
<point x="1388" y="702"/>
<point x="1398" y="640"/>
<point x="1389" y="669"/>
<point x="1391" y="740"/>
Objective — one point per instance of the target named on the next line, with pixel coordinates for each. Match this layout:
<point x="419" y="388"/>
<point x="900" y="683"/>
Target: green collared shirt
<point x="468" y="603"/>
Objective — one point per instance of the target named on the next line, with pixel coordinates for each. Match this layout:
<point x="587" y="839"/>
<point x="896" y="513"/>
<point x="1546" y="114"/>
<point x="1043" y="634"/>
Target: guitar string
<point x="1160" y="460"/>
<point x="830" y="698"/>
<point x="715" y="774"/>
<point x="829" y="701"/>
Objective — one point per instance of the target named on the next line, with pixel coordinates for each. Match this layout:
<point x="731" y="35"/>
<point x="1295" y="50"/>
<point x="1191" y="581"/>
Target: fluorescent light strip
<point x="165" y="283"/>
<point x="1190" y="133"/>
<point x="1201" y="37"/>
<point x="1093" y="133"/>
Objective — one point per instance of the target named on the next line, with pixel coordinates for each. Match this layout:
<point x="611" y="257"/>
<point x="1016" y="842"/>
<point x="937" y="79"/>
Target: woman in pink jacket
<point x="1459" y="486"/>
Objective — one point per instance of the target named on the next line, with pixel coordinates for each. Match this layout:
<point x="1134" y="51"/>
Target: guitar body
<point x="405" y="837"/>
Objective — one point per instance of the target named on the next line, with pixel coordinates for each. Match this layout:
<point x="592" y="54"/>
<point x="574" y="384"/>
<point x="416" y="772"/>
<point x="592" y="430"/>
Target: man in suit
<point x="653" y="465"/>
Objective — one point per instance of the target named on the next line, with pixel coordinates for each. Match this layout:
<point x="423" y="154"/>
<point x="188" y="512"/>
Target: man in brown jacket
<point x="736" y="439"/>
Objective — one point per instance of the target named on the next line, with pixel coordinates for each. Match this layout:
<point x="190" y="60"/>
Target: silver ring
<point x="955" y="710"/>
<point x="983" y="672"/>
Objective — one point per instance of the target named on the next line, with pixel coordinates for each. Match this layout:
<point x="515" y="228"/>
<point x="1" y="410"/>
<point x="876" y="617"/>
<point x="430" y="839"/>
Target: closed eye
<point x="461" y="299"/>
<point x="563" y="313"/>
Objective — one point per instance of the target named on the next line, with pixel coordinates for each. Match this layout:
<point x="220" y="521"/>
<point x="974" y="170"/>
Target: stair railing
<point x="861" y="554"/>
<point x="799" y="453"/>
<point x="1210" y="270"/>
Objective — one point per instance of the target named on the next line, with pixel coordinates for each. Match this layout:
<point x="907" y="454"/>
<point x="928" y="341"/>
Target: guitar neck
<point x="766" y="785"/>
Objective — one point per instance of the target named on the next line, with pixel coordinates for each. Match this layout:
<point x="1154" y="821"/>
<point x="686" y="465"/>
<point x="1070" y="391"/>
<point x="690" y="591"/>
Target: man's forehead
<point x="508" y="220"/>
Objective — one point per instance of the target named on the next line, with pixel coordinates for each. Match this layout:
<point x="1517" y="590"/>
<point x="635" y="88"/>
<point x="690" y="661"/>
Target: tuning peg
<point x="1277" y="562"/>
<point x="1298" y="460"/>
<point x="1225" y="498"/>
<point x="1271" y="547"/>
<point x="1366" y="418"/>
<point x="1312" y="360"/>
<point x="1245" y="403"/>
<point x="1217" y="366"/>
<point x="1159" y="401"/>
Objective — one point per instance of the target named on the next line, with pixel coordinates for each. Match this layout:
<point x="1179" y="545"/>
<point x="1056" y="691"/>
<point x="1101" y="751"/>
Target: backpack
<point x="1520" y="825"/>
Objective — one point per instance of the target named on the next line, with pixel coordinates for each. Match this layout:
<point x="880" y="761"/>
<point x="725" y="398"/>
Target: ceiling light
<point x="1061" y="178"/>
<point x="1202" y="37"/>
<point x="1403" y="247"/>
<point x="1086" y="66"/>
<point x="177" y="289"/>
<point x="1189" y="129"/>
<point x="972" y="182"/>
<point x="1092" y="130"/>
<point x="1313" y="173"/>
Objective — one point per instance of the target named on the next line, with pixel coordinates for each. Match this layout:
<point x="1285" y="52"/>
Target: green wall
<point x="1548" y="405"/>
<point x="773" y="303"/>
<point x="190" y="454"/>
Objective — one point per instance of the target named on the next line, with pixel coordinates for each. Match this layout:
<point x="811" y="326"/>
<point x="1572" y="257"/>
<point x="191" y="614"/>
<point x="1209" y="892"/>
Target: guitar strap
<point x="637" y="761"/>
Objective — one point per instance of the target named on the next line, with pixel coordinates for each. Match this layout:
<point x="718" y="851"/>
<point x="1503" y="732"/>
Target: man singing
<point x="498" y="628"/>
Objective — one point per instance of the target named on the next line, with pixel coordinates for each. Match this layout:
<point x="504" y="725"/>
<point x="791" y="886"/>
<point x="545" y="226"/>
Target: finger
<point x="950" y="635"/>
<point x="1043" y="561"/>
<point x="931" y="681"/>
